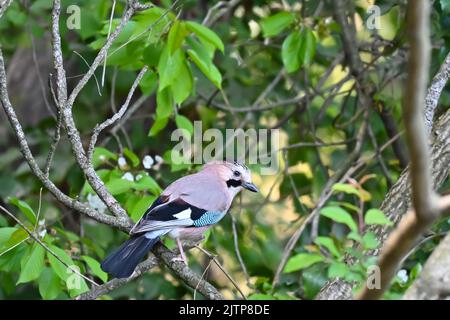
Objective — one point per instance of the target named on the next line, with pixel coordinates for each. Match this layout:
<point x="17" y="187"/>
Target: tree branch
<point x="398" y="245"/>
<point x="161" y="253"/>
<point x="3" y="6"/>
<point x="418" y="65"/>
<point x="434" y="92"/>
<point x="116" y="117"/>
<point x="398" y="199"/>
<point x="26" y="152"/>
<point x="426" y="210"/>
<point x="115" y="283"/>
<point x="66" y="107"/>
<point x="121" y="219"/>
<point x="434" y="281"/>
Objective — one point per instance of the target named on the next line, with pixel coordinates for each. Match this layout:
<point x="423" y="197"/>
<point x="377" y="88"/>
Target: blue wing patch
<point x="209" y="218"/>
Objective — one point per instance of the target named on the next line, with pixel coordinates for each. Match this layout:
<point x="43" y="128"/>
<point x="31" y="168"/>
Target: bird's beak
<point x="250" y="186"/>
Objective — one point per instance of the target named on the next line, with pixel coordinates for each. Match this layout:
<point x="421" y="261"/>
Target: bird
<point x="185" y="210"/>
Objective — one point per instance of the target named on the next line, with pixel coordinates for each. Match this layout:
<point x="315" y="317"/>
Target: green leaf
<point x="94" y="265"/>
<point x="313" y="279"/>
<point x="353" y="276"/>
<point x="101" y="155"/>
<point x="353" y="235"/>
<point x="205" y="34"/>
<point x="147" y="183"/>
<point x="200" y="56"/>
<point x="164" y="104"/>
<point x="176" y="36"/>
<point x="376" y="216"/>
<point x="151" y="54"/>
<point x="307" y="46"/>
<point x="141" y="207"/>
<point x="39" y="6"/>
<point x="16" y="17"/>
<point x="148" y="83"/>
<point x="345" y="187"/>
<point x="184" y="123"/>
<point x="339" y="215"/>
<point x="370" y="241"/>
<point x="261" y="296"/>
<point x="49" y="284"/>
<point x="5" y="234"/>
<point x="283" y="296"/>
<point x="183" y="84"/>
<point x="59" y="268"/>
<point x="74" y="283"/>
<point x="3" y="222"/>
<point x="24" y="208"/>
<point x="132" y="157"/>
<point x="33" y="265"/>
<point x="302" y="261"/>
<point x="337" y="270"/>
<point x="273" y="25"/>
<point x="158" y="125"/>
<point x="18" y="236"/>
<point x="118" y="186"/>
<point x="290" y="52"/>
<point x="329" y="244"/>
<point x="169" y="67"/>
<point x="298" y="49"/>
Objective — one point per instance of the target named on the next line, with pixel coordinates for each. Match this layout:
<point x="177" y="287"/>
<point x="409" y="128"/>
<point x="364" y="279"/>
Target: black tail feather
<point x="122" y="262"/>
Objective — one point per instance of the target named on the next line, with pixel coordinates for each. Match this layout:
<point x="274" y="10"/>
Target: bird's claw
<point x="178" y="259"/>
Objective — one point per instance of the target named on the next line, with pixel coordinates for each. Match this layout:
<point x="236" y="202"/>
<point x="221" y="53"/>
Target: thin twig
<point x="203" y="276"/>
<point x="341" y="173"/>
<point x="36" y="238"/>
<point x="116" y="117"/>
<point x="109" y="32"/>
<point x="87" y="64"/>
<point x="213" y="258"/>
<point x="28" y="156"/>
<point x="236" y="249"/>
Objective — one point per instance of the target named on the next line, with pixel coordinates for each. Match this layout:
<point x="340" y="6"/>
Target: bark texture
<point x="398" y="200"/>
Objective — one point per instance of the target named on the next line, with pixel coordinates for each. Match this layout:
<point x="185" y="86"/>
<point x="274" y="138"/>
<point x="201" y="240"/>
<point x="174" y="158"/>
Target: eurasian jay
<point x="184" y="211"/>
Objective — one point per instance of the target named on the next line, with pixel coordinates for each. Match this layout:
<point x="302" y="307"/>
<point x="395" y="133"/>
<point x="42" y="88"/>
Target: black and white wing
<point x="166" y="215"/>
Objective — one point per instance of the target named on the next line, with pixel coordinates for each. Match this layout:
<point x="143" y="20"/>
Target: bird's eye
<point x="236" y="173"/>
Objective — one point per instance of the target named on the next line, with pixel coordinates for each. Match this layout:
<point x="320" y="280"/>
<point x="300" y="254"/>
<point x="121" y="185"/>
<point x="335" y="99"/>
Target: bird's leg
<point x="182" y="255"/>
<point x="180" y="247"/>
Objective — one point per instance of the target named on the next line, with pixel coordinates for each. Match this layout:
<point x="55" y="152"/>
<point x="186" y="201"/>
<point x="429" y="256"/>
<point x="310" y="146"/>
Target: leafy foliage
<point x="197" y="73"/>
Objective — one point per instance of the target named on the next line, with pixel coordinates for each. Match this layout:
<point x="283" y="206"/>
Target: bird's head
<point x="236" y="175"/>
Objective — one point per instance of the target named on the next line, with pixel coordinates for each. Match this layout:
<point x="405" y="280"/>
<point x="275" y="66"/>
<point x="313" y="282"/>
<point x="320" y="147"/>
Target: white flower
<point x="95" y="203"/>
<point x="236" y="56"/>
<point x="239" y="12"/>
<point x="121" y="162"/>
<point x="138" y="177"/>
<point x="128" y="176"/>
<point x="148" y="162"/>
<point x="42" y="233"/>
<point x="159" y="161"/>
<point x="255" y="29"/>
<point x="402" y="275"/>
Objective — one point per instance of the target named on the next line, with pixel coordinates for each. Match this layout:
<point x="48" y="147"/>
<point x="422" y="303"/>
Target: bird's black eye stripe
<point x="234" y="183"/>
<point x="236" y="173"/>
